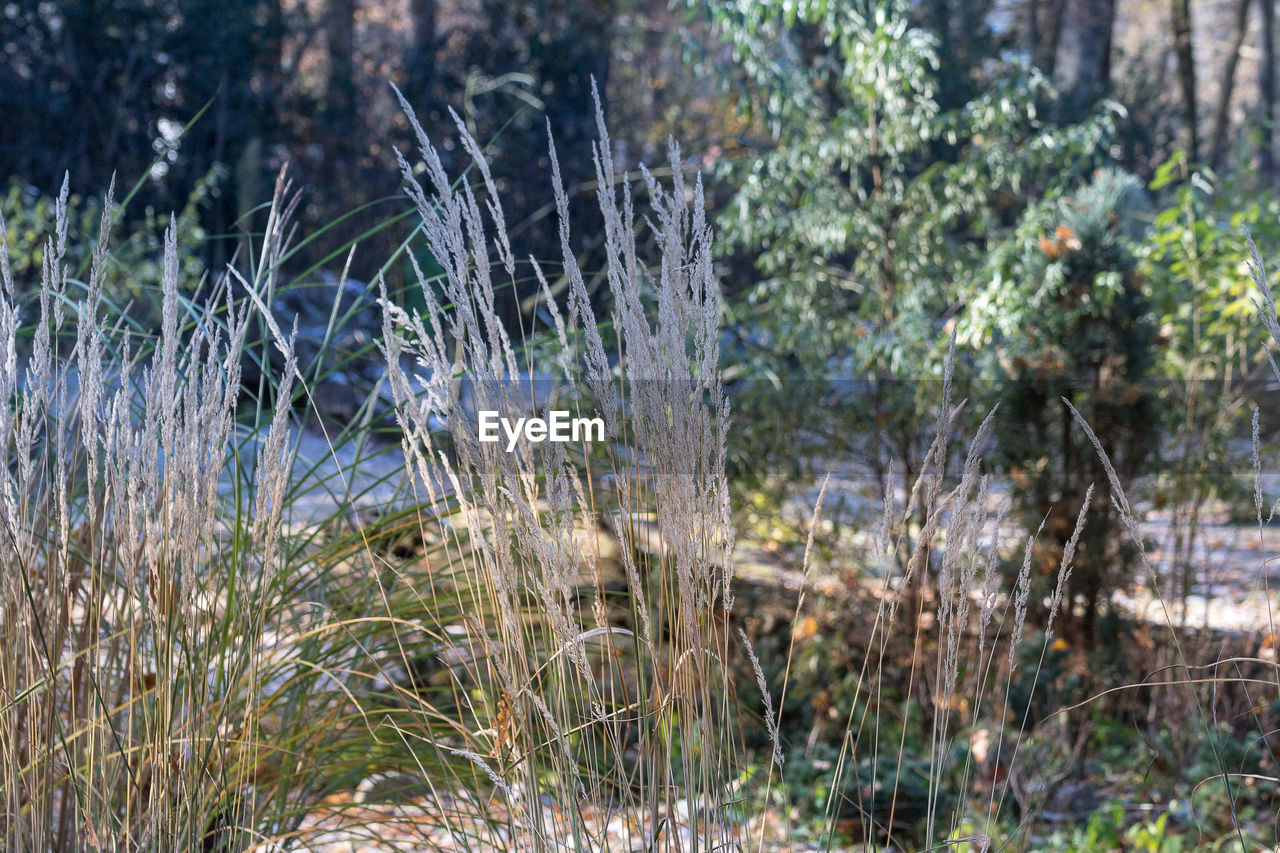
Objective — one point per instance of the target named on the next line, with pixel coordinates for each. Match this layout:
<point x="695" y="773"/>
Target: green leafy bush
<point x="1063" y="320"/>
<point x="131" y="280"/>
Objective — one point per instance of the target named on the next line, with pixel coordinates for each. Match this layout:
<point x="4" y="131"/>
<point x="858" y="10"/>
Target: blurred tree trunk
<point x="1046" y="26"/>
<point x="340" y="107"/>
<point x="1182" y="45"/>
<point x="1222" y="111"/>
<point x="1267" y="93"/>
<point x="965" y="43"/>
<point x="1082" y="64"/>
<point x="420" y="65"/>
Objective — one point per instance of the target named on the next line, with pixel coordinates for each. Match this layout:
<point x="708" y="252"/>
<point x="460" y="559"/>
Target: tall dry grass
<point x="181" y="665"/>
<point x="188" y="667"/>
<point x="582" y="706"/>
<point x="133" y="610"/>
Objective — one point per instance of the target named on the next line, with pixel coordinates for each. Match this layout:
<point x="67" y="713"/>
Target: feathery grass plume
<point x="949" y="540"/>
<point x="1256" y="452"/>
<point x="770" y="721"/>
<point x="957" y="576"/>
<point x="125" y="718"/>
<point x="1064" y="567"/>
<point x="483" y="763"/>
<point x="989" y="587"/>
<point x="1267" y="310"/>
<point x="1121" y="502"/>
<point x="884" y="532"/>
<point x="1255" y="446"/>
<point x="652" y="722"/>
<point x="1022" y="596"/>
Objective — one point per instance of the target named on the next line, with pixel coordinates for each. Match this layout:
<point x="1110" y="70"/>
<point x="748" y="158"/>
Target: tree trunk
<point x="1222" y="111"/>
<point x="1182" y="45"/>
<point x="1082" y="70"/>
<point x="1046" y="27"/>
<point x="1267" y="89"/>
<point x="340" y="92"/>
<point x="420" y="65"/>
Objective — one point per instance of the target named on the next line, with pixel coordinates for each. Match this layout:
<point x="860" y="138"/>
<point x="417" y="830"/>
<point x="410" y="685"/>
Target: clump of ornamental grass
<point x="181" y="670"/>
<point x="981" y="780"/>
<point x="569" y="702"/>
<point x="964" y="634"/>
<point x="131" y="624"/>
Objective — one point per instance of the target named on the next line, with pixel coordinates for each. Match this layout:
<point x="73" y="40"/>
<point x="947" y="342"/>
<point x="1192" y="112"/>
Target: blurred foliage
<point x="882" y="205"/>
<point x="1193" y="259"/>
<point x="112" y="89"/>
<point x="868" y="205"/>
<point x="867" y="202"/>
<point x="133" y="273"/>
<point x="1061" y="317"/>
<point x="1211" y="369"/>
<point x="103" y="90"/>
<point x="1070" y="261"/>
